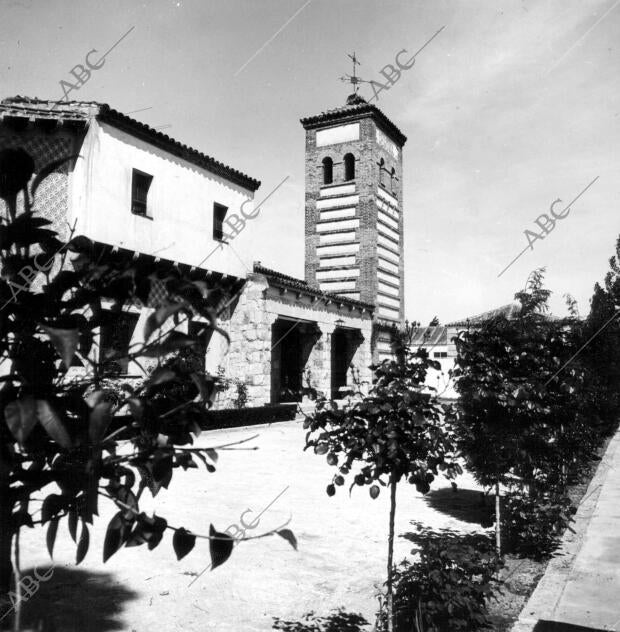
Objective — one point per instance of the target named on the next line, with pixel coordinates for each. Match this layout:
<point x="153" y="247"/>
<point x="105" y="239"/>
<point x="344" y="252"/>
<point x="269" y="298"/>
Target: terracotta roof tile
<point x="355" y="109"/>
<point x="283" y="280"/>
<point x="83" y="111"/>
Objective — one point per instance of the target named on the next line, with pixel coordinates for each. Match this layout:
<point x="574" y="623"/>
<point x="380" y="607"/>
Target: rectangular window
<point x="219" y="214"/>
<point x="140" y="185"/>
<point x="116" y="333"/>
<point x="440" y="354"/>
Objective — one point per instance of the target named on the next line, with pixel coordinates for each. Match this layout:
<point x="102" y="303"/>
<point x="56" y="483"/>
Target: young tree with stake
<point x="394" y="433"/>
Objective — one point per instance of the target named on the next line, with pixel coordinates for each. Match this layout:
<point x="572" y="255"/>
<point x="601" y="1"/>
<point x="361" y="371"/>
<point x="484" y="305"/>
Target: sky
<point x="513" y="105"/>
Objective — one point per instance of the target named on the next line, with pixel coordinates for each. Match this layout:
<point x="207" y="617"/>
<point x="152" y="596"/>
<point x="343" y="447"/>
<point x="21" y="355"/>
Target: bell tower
<point x="354" y="207"/>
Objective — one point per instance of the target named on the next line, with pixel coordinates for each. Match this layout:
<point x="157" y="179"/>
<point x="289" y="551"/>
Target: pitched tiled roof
<point x="509" y="311"/>
<point x="356" y="109"/>
<point x="80" y="112"/>
<point x="289" y="282"/>
<point x="430" y="336"/>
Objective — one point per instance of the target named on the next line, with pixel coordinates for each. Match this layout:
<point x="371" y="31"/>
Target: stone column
<point x="249" y="356"/>
<point x="362" y="359"/>
<point x="322" y="360"/>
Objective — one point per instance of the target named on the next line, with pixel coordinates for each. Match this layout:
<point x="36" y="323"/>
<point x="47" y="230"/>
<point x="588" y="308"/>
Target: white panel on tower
<point x="339" y="201"/>
<point x="339" y="190"/>
<point x="336" y="237"/>
<point x="337" y="261"/>
<point x="346" y="223"/>
<point x="346" y="273"/>
<point x="341" y="249"/>
<point x="340" y="212"/>
<point x="339" y="134"/>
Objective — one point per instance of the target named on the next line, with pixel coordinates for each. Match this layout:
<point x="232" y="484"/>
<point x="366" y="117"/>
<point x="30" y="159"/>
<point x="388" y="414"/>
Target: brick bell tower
<point x="354" y="209"/>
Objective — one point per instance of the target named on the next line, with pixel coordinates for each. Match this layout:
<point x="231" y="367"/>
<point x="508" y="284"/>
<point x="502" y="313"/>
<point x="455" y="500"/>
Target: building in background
<point x="143" y="194"/>
<point x="439" y="342"/>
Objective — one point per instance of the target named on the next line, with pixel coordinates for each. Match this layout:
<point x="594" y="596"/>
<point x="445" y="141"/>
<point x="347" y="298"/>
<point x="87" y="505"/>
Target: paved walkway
<point x="580" y="591"/>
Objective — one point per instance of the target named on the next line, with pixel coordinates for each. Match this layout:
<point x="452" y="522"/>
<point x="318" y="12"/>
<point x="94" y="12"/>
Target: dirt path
<point x="340" y="560"/>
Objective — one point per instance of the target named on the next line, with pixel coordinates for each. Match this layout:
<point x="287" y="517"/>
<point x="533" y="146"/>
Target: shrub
<point x="447" y="589"/>
<point x="533" y="526"/>
<point x="234" y="417"/>
<point x="339" y="621"/>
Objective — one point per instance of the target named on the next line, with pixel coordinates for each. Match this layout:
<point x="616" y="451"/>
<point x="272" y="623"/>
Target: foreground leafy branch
<point x="86" y="436"/>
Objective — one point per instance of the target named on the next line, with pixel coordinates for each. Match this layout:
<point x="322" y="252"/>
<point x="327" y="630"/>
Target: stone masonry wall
<point x="250" y="327"/>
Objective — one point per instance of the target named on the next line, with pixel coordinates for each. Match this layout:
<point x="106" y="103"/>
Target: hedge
<point x="251" y="416"/>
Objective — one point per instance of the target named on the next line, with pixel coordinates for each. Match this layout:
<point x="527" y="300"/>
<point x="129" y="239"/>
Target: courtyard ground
<point x="340" y="560"/>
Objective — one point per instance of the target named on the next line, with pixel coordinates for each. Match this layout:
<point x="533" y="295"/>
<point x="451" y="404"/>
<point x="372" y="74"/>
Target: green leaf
<point x="127" y="497"/>
<point x="115" y="536"/>
<point x="160" y="376"/>
<point x="20" y="417"/>
<point x="162" y="468"/>
<point x="72" y="523"/>
<point x="52" y="530"/>
<point x="83" y="544"/>
<point x="172" y="342"/>
<point x="50" y="507"/>
<point x="136" y="406"/>
<point x="16" y="169"/>
<point x="53" y="425"/>
<point x="219" y="548"/>
<point x="99" y="420"/>
<point x="47" y="170"/>
<point x="65" y="342"/>
<point x="205" y="386"/>
<point x="289" y="536"/>
<point x="158" y="318"/>
<point x="22" y="519"/>
<point x="212" y="454"/>
<point x="183" y="542"/>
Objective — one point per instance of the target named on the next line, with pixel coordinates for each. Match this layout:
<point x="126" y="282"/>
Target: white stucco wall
<point x="180" y="200"/>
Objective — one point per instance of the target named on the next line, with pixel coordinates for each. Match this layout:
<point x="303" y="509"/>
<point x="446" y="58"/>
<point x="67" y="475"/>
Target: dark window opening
<point x="219" y="214"/>
<point x="393" y="180"/>
<point x="349" y="167"/>
<point x="140" y="185"/>
<point x="440" y="354"/>
<point x="328" y="170"/>
<point x="196" y="355"/>
<point x="116" y="333"/>
<point x="381" y="170"/>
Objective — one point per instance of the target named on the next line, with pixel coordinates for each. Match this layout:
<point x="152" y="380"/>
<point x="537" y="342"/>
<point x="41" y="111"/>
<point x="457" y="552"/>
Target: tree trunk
<point x="17" y="621"/>
<point x="6" y="566"/>
<point x="498" y="532"/>
<point x="389" y="596"/>
<point x="6" y="537"/>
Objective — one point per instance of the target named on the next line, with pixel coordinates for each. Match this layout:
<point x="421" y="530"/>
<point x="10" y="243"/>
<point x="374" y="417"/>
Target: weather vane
<point x="353" y="78"/>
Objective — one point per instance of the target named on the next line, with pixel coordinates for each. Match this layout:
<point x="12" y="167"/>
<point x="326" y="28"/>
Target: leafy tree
<point x="518" y="417"/>
<point x="79" y="440"/>
<point x="394" y="433"/>
<point x="601" y="336"/>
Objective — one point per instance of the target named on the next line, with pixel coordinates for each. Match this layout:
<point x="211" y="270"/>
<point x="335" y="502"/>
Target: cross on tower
<point x="353" y="78"/>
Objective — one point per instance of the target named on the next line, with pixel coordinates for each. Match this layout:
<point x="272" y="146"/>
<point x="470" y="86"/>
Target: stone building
<point x="139" y="191"/>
